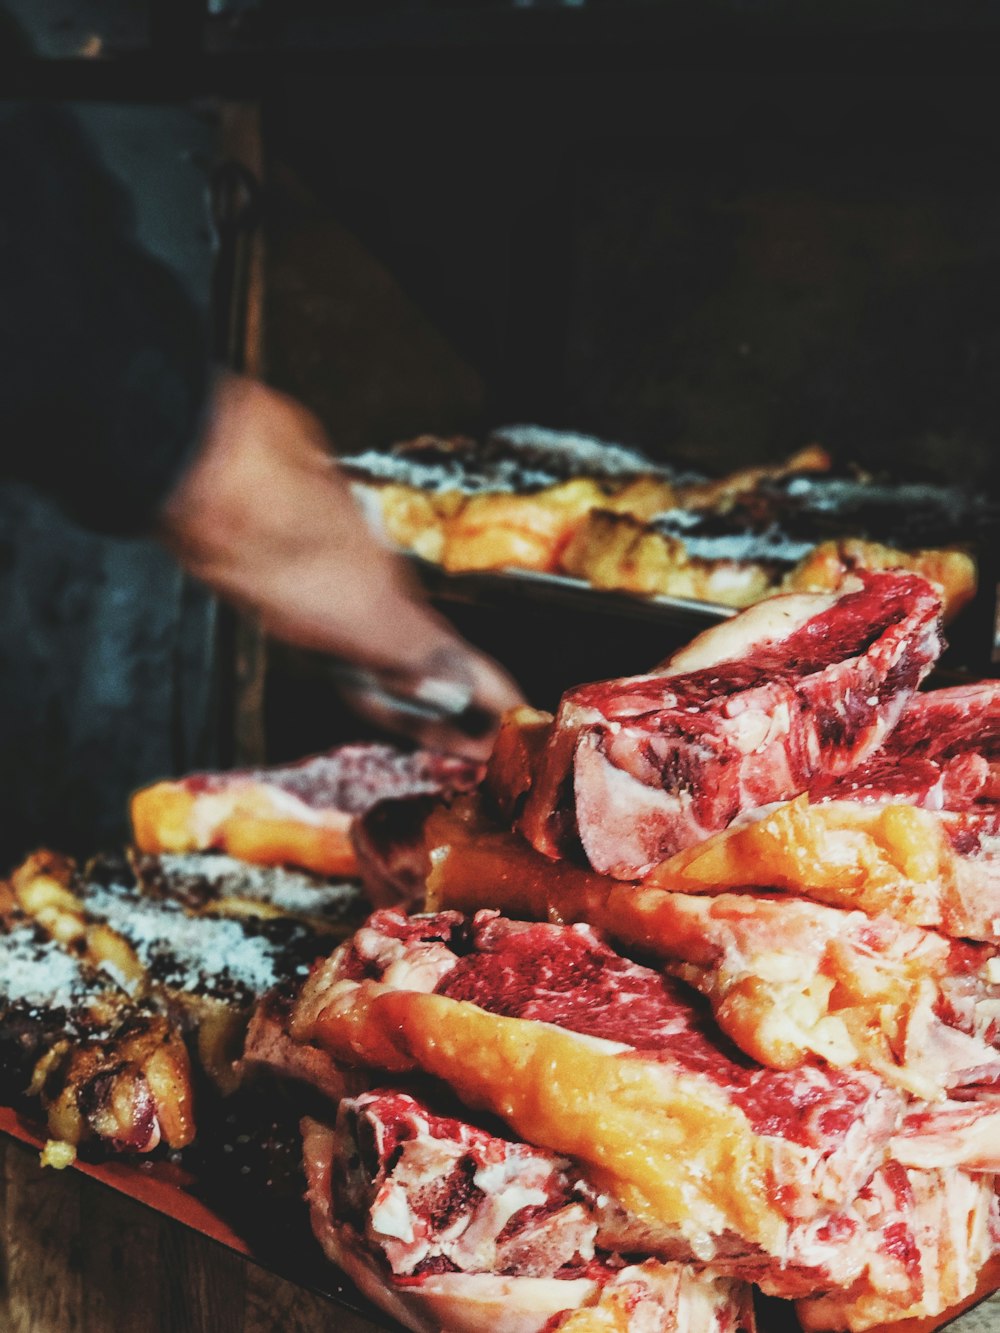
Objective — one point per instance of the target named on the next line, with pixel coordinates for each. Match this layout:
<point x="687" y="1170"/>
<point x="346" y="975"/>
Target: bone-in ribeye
<point x="450" y="1226"/>
<point x="585" y="1053"/>
<point x="749" y="714"/>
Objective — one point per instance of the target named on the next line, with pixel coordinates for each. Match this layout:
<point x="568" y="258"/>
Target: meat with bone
<point x="438" y="1195"/>
<point x="950" y="721"/>
<point x="931" y="1234"/>
<point x="943" y="754"/>
<point x="925" y="868"/>
<point x="789" y="980"/>
<point x="448" y="1225"/>
<point x="586" y="1054"/>
<point x="300" y="814"/>
<point x="748" y="714"/>
<point x="421" y="1203"/>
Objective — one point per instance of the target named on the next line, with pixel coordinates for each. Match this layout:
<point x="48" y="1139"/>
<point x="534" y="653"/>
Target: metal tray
<point x="560" y="590"/>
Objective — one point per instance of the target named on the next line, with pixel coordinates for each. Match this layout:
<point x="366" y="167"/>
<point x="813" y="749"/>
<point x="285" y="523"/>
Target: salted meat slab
<point x="100" y="1066"/>
<point x="300" y="814"/>
<point x="448" y="1225"/>
<point x="204" y="972"/>
<point x="218" y="885"/>
<point x="748" y="714"/>
<point x="584" y="1053"/>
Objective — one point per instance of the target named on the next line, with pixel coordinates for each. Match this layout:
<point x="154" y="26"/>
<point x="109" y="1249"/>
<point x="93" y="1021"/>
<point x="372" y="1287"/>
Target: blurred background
<point x="718" y="231"/>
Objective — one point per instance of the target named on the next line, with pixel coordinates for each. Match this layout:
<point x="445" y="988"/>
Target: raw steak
<point x="750" y="713"/>
<point x="789" y="980"/>
<point x="951" y="721"/>
<point x="298" y="815"/>
<point x="447" y="1226"/>
<point x="586" y="1054"/>
<point x="416" y="1195"/>
<point x="943" y="754"/>
<point x="954" y="782"/>
<point x="437" y="1194"/>
<point x="440" y="1195"/>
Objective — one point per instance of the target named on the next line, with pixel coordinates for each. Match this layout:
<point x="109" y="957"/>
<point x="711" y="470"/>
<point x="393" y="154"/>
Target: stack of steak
<point x="706" y="996"/>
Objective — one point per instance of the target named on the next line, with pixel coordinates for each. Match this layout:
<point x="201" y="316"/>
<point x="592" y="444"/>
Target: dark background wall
<point x="719" y="266"/>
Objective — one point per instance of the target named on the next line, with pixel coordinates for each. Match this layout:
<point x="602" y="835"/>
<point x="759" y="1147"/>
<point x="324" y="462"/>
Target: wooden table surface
<point x="76" y="1257"/>
<point x="983" y="1319"/>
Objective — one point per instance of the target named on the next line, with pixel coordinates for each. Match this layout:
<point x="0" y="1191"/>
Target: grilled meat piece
<point x="101" y="1066"/>
<point x="204" y="972"/>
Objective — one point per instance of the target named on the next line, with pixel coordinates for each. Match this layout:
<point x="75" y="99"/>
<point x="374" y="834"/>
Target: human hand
<point x="266" y="520"/>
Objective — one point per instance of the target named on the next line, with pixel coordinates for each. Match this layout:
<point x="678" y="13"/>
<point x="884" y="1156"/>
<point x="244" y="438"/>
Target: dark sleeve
<point x="103" y="359"/>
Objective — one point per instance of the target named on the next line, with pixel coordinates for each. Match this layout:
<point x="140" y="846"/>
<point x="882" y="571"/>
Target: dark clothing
<point x="104" y="365"/>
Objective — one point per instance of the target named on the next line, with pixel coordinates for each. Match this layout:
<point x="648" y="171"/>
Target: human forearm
<point x="265" y="519"/>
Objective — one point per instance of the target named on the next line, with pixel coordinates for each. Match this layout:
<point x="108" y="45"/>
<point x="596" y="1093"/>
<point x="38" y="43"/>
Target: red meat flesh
<point x="751" y="713"/>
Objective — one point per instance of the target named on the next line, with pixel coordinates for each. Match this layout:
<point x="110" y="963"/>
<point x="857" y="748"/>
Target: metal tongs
<point x="427" y="700"/>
